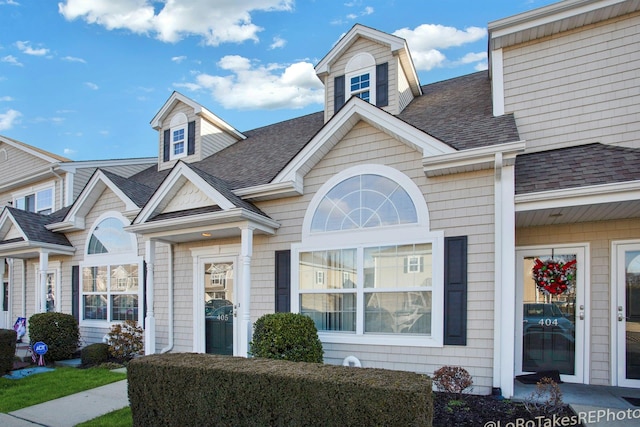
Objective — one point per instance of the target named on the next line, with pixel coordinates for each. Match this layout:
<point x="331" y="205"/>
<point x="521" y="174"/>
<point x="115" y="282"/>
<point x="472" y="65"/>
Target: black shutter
<point x="338" y="93"/>
<point x="283" y="281"/>
<point x="75" y="291"/>
<point x="191" y="138"/>
<point x="455" y="290"/>
<point x="167" y="145"/>
<point x="382" y="85"/>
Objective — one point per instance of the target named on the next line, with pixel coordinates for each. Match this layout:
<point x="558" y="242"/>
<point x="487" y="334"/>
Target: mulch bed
<point x="473" y="410"/>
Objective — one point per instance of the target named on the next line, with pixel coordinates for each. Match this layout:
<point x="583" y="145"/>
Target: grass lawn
<point x="38" y="388"/>
<point x="120" y="418"/>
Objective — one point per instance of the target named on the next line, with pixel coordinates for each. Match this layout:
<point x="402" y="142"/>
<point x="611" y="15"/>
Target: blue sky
<point x="83" y="79"/>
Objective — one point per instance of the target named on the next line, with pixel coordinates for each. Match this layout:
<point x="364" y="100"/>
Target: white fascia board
<point x="74" y="166"/>
<point x="198" y="110"/>
<point x="7" y="220"/>
<point x="270" y="191"/>
<point x="26" y="247"/>
<point x="66" y="226"/>
<point x="358" y="30"/>
<point x="207" y="221"/>
<point x="206" y="188"/>
<point x="545" y="15"/>
<point x="472" y="159"/>
<point x="350" y="114"/>
<point x="583" y="196"/>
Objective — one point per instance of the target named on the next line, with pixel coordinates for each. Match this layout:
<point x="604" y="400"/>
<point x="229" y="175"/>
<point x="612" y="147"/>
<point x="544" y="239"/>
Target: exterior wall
<point x="30" y="188"/>
<point x="577" y="87"/>
<point x="405" y="96"/>
<point x="17" y="164"/>
<point x="599" y="235"/>
<point x="213" y="139"/>
<point x="382" y="54"/>
<point x="459" y="204"/>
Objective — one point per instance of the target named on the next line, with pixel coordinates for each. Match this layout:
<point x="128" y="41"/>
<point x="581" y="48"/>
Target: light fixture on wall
<point x="206" y="234"/>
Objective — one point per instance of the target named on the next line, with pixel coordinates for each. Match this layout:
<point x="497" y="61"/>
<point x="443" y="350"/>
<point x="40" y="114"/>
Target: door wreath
<point x="554" y="277"/>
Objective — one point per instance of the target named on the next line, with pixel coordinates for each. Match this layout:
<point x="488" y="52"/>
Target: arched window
<point x="365" y="270"/>
<point x="112" y="273"/>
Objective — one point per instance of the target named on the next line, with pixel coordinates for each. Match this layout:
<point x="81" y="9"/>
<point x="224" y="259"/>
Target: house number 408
<point x="548" y="322"/>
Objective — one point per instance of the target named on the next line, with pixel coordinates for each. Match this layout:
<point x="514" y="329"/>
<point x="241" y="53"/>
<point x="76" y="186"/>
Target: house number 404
<point x="548" y="322"/>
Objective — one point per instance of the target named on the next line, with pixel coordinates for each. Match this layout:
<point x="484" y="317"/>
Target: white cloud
<point x="226" y="21"/>
<point x="10" y="2"/>
<point x="254" y="86"/>
<point x="472" y="57"/>
<point x="74" y="59"/>
<point x="6" y="98"/>
<point x="8" y="119"/>
<point x="278" y="43"/>
<point x="91" y="85"/>
<point x="26" y="48"/>
<point x="178" y="59"/>
<point x="427" y="40"/>
<point x="10" y="59"/>
<point x="69" y="151"/>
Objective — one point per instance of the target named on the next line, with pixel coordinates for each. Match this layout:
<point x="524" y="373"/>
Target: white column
<point x="2" y="273"/>
<point x="44" y="266"/>
<point x="150" y="320"/>
<point x="245" y="291"/>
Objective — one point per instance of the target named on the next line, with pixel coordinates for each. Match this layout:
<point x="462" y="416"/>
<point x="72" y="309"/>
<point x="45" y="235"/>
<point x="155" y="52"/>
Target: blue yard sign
<point x="40" y="348"/>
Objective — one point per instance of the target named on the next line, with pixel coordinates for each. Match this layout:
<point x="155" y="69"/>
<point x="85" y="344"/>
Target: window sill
<point x="380" y="340"/>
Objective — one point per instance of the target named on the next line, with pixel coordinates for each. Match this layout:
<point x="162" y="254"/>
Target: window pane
<point x="124" y="307"/>
<point x="124" y="278"/>
<point x="95" y="307"/>
<point x="178" y="148"/>
<point x="44" y="201"/>
<point x="364" y="201"/>
<point x="328" y="269"/>
<point x="51" y="292"/>
<point x="398" y="266"/>
<point x="398" y="312"/>
<point x="330" y="312"/>
<point x="94" y="279"/>
<point x="110" y="237"/>
<point x="178" y="135"/>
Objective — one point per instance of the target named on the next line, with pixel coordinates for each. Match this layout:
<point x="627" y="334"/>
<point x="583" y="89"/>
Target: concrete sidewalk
<point x="70" y="410"/>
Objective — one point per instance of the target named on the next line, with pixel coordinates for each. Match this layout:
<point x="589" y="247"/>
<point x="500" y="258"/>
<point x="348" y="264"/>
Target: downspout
<point x="54" y="173"/>
<point x="169" y="346"/>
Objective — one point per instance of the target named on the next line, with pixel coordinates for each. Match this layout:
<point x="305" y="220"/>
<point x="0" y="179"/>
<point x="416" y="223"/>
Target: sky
<point x="83" y="79"/>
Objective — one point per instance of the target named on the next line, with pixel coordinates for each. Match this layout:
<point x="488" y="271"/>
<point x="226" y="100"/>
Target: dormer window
<point x="363" y="78"/>
<point x="361" y="86"/>
<point x="178" y="131"/>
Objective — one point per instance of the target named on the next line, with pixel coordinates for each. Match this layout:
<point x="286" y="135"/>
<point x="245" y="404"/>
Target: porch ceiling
<point x="576" y="214"/>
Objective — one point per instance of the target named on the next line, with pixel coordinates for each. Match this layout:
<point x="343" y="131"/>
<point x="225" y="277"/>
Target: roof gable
<point x="23" y="234"/>
<point x="34" y="151"/>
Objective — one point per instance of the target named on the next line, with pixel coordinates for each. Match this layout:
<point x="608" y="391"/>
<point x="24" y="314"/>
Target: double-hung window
<point x="361" y="86"/>
<point x="112" y="274"/>
<point x="366" y="269"/>
<point x="179" y="136"/>
<point x="39" y="201"/>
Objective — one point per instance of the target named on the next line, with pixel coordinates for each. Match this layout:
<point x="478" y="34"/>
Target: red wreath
<point x="554" y="277"/>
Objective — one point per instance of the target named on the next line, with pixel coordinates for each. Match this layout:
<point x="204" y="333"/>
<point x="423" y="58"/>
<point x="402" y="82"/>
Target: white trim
<point x="497" y="81"/>
<point x="582" y="196"/>
<point x="53" y="267"/>
<point x="583" y="298"/>
<point x="618" y="329"/>
<point x="471" y="159"/>
<point x="41" y="154"/>
<point x="34" y="190"/>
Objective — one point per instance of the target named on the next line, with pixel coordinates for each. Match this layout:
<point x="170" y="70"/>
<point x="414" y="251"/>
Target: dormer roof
<point x="198" y="110"/>
<point x="398" y="47"/>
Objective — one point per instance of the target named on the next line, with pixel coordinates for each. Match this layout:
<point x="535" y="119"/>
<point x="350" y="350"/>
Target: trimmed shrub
<point x="452" y="379"/>
<point x="125" y="340"/>
<point x="59" y="331"/>
<point x="286" y="336"/>
<point x="95" y="354"/>
<point x="186" y="389"/>
<point x="7" y="349"/>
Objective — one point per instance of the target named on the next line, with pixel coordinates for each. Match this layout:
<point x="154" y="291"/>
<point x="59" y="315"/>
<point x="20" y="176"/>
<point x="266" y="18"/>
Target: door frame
<point x="618" y="329"/>
<point x="582" y="336"/>
<point x="203" y="256"/>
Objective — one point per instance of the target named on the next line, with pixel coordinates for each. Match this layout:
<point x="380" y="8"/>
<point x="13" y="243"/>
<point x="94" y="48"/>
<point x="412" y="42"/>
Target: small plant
<point x="59" y="331"/>
<point x="452" y="379"/>
<point x="94" y="354"/>
<point x="287" y="336"/>
<point x="545" y="399"/>
<point x="7" y="349"/>
<point x="125" y="340"/>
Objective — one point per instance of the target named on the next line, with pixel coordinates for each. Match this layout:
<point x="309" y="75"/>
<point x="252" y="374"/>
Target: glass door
<point x="551" y="312"/>
<point x="218" y="307"/>
<point x="627" y="314"/>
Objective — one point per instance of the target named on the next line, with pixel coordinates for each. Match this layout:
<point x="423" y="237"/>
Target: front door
<point x="218" y="307"/>
<point x="551" y="311"/>
<point x="627" y="312"/>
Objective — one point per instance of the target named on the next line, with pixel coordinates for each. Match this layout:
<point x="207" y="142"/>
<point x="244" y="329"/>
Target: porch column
<point x="44" y="266"/>
<point x="2" y="273"/>
<point x="149" y="320"/>
<point x="505" y="278"/>
<point x="245" y="291"/>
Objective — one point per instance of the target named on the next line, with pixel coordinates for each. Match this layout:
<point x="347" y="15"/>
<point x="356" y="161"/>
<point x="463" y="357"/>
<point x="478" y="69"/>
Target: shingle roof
<point x="33" y="226"/>
<point x="579" y="166"/>
<point x="136" y="191"/>
<point x="459" y="112"/>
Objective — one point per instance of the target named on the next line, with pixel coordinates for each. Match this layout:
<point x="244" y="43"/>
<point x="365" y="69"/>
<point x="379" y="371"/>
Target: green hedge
<point x="286" y="336"/>
<point x="94" y="354"/>
<point x="8" y="339"/>
<point x="58" y="331"/>
<point x="200" y="389"/>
